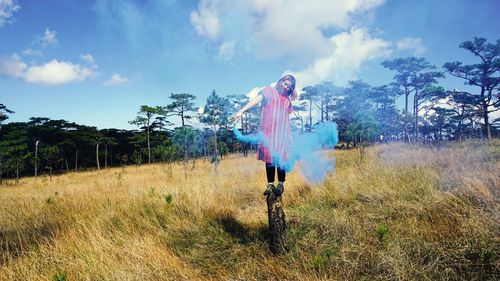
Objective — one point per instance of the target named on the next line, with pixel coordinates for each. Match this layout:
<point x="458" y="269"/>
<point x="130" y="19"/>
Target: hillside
<point x="399" y="213"/>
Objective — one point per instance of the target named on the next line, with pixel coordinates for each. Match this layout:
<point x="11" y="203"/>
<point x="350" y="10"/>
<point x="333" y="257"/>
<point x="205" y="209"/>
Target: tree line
<point x="47" y="146"/>
<point x="364" y="114"/>
<point x="430" y="113"/>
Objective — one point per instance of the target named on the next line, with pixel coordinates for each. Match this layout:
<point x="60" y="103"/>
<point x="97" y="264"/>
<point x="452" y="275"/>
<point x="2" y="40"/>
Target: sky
<point x="96" y="62"/>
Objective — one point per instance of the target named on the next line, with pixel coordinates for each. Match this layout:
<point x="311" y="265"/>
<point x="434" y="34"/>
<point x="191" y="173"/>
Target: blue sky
<point x="96" y="62"/>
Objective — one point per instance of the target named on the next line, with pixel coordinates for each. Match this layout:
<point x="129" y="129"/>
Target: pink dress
<point x="275" y="126"/>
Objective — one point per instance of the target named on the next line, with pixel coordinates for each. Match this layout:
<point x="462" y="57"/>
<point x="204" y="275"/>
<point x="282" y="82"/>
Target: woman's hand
<point x="249" y="105"/>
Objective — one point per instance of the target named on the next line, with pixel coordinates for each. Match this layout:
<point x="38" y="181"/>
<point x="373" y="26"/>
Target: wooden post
<point x="277" y="224"/>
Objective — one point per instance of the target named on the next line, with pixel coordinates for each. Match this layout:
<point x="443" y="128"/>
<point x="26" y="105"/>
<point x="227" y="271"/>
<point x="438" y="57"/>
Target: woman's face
<point x="286" y="85"/>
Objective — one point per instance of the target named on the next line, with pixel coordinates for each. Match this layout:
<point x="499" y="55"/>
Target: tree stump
<point x="277" y="224"/>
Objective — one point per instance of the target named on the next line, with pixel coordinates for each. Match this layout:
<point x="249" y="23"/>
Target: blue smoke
<point x="251" y="139"/>
<point x="306" y="148"/>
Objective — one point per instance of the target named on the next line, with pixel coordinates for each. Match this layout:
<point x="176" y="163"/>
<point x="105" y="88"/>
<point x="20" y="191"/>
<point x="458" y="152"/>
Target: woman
<point x="275" y="127"/>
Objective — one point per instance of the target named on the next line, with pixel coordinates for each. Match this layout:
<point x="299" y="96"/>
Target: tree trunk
<point x="277" y="225"/>
<point x="185" y="158"/>
<point x="407" y="93"/>
<point x="460" y="126"/>
<point x="97" y="155"/>
<point x="322" y="112"/>
<point x="216" y="152"/>
<point x="310" y="115"/>
<point x="182" y="116"/>
<point x="243" y="131"/>
<point x="76" y="160"/>
<point x="36" y="159"/>
<point x="17" y="171"/>
<point x="487" y="130"/>
<point x="105" y="157"/>
<point x="215" y="156"/>
<point x="406" y="115"/>
<point x="66" y="163"/>
<point x="149" y="145"/>
<point x="415" y="108"/>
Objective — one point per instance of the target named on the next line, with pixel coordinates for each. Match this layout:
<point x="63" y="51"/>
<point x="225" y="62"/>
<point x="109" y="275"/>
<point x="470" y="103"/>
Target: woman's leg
<point x="270" y="172"/>
<point x="281" y="175"/>
<point x="281" y="179"/>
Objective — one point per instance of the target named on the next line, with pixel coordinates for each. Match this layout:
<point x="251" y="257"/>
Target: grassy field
<point x="400" y="213"/>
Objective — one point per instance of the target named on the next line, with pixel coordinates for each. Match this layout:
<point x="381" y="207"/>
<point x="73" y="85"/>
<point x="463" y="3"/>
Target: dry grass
<point x="403" y="213"/>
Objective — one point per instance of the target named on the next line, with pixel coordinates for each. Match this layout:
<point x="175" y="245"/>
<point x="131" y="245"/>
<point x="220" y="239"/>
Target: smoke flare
<point x="306" y="148"/>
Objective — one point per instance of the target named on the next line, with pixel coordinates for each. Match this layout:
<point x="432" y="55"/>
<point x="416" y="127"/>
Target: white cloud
<point x="116" y="79"/>
<point x="52" y="73"/>
<point x="226" y="50"/>
<point x="7" y="10"/>
<point x="412" y="44"/>
<point x="319" y="13"/>
<point x="12" y="66"/>
<point x="303" y="31"/>
<point x="321" y="39"/>
<point x="277" y="28"/>
<point x="57" y="72"/>
<point x="89" y="59"/>
<point x="349" y="50"/>
<point x="205" y="20"/>
<point x="32" y="52"/>
<point x="49" y="38"/>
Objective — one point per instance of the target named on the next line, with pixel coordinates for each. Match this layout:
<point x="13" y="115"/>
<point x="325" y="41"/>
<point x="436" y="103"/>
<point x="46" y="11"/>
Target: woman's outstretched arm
<point x="249" y="105"/>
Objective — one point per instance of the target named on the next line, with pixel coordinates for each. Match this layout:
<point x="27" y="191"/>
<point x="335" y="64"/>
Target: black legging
<point x="271" y="171"/>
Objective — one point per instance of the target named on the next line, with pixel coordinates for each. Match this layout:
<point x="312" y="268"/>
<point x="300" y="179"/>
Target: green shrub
<point x="382" y="231"/>
<point x="318" y="262"/>
<point x="60" y="276"/>
<point x="168" y="198"/>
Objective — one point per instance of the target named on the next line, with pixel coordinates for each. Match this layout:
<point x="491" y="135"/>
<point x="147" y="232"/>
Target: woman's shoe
<point x="279" y="189"/>
<point x="269" y="189"/>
